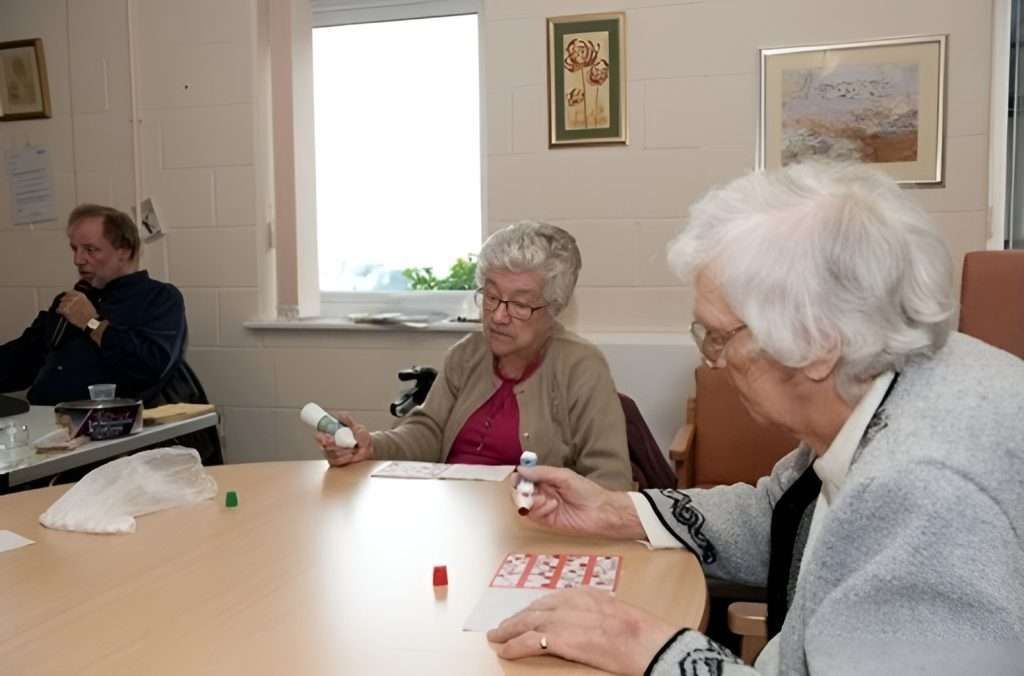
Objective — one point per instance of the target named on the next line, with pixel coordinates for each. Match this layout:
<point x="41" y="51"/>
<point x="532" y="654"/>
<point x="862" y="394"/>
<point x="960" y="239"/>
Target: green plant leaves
<point x="462" y="276"/>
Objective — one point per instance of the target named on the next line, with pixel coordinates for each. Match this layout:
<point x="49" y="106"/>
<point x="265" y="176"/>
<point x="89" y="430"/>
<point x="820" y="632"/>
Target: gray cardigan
<point x="919" y="565"/>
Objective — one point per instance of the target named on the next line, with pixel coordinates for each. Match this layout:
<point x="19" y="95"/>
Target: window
<point x="1013" y="232"/>
<point x="397" y="124"/>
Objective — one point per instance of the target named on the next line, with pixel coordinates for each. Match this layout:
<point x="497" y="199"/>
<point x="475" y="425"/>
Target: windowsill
<point x="439" y="303"/>
<point x="340" y="324"/>
<point x="453" y="326"/>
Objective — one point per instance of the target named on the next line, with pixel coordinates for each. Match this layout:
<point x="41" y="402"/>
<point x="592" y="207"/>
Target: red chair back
<point x="992" y="299"/>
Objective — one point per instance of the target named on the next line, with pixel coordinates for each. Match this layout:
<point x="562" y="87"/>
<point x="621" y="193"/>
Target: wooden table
<point x="22" y="465"/>
<point x="318" y="571"/>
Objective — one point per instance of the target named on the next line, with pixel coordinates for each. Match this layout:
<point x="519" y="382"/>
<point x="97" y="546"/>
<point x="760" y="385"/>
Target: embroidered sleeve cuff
<point x="657" y="535"/>
<point x="691" y="652"/>
<point x="681" y="518"/>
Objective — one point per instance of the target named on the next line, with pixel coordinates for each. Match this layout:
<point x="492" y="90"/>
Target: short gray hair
<point x="529" y="246"/>
<point x="818" y="255"/>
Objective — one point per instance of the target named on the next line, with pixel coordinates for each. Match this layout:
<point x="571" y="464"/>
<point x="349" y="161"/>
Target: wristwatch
<point x="92" y="325"/>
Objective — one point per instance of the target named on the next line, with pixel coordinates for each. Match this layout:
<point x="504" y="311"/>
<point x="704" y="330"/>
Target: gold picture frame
<point x="24" y="91"/>
<point x="587" y="79"/>
<point x="879" y="101"/>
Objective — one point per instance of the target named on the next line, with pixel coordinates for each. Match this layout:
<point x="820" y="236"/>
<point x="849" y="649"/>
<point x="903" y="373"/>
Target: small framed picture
<point x="879" y="102"/>
<point x="24" y="93"/>
<point x="587" y="79"/>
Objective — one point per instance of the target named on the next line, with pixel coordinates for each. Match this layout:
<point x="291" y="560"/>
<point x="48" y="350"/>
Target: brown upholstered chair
<point x="721" y="443"/>
<point x="992" y="299"/>
<point x="992" y="310"/>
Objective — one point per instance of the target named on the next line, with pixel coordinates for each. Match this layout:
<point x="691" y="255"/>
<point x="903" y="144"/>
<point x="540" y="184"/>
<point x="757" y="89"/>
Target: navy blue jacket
<point x="143" y="343"/>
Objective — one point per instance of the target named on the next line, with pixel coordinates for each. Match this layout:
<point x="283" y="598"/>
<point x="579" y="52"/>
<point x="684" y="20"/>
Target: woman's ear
<point x="824" y="366"/>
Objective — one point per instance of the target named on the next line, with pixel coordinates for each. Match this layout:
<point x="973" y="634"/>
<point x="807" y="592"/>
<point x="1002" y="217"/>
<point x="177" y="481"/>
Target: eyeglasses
<point x="515" y="309"/>
<point x="712" y="343"/>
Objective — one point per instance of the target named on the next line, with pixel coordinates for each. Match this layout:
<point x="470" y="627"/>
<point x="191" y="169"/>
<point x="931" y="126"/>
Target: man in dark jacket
<point x="116" y="326"/>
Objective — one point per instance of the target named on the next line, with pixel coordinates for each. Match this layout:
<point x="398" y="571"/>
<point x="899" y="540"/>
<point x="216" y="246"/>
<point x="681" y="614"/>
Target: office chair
<point x="182" y="386"/>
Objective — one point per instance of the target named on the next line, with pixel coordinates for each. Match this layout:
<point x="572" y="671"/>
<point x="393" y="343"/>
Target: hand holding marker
<point x="314" y="416"/>
<point x="523" y="496"/>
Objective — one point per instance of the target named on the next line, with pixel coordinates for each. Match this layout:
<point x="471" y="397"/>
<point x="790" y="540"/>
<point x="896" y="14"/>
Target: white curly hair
<point x="818" y="255"/>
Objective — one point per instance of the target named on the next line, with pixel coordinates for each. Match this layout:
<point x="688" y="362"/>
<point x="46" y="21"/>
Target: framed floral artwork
<point x="587" y="79"/>
<point x="879" y="102"/>
<point x="24" y="93"/>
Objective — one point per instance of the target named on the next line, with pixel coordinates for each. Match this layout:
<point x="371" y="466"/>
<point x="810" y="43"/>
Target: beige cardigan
<point x="569" y="411"/>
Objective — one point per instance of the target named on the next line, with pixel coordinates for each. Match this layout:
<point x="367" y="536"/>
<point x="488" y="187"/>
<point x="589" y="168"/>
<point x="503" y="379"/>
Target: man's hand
<point x="76" y="307"/>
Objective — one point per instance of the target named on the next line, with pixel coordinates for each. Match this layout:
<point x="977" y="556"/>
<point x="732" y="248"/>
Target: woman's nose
<point x="501" y="313"/>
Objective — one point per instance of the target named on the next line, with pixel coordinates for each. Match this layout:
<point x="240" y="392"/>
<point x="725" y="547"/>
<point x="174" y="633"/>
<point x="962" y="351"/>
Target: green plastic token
<point x="231" y="499"/>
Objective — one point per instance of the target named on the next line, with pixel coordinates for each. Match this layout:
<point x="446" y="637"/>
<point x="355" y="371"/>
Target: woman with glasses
<point x="523" y="383"/>
<point x="890" y="540"/>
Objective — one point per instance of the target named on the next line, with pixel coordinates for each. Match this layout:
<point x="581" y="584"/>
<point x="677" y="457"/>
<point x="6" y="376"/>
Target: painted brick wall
<point x="692" y="108"/>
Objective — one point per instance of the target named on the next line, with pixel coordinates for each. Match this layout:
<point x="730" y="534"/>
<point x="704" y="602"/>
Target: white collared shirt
<point x="833" y="466"/>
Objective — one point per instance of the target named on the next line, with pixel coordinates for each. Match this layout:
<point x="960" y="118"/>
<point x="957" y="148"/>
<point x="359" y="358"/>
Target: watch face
<point x="93" y="324"/>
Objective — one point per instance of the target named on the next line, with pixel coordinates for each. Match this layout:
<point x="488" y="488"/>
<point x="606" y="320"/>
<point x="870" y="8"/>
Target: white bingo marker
<point x="314" y="416"/>
<point x="523" y="496"/>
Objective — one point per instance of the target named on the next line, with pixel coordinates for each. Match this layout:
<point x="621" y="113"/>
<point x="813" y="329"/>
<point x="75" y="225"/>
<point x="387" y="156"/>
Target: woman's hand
<point x="584" y="625"/>
<point x="338" y="456"/>
<point x="564" y="500"/>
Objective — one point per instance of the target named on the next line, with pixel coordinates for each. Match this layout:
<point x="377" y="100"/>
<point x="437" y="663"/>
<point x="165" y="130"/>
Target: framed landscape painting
<point x="587" y="79"/>
<point x="879" y="102"/>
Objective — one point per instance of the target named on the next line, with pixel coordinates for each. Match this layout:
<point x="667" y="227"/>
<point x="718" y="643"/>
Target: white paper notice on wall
<point x="151" y="227"/>
<point x="28" y="173"/>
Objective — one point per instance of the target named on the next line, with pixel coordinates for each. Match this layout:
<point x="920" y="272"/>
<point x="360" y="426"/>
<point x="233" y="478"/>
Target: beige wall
<point x="88" y="138"/>
<point x="692" y="112"/>
<point x="691" y="98"/>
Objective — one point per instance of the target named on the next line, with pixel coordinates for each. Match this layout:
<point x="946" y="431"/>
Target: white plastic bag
<point x="107" y="499"/>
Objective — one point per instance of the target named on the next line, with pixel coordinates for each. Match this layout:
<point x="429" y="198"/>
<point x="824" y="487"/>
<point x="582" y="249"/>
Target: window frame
<point x="341" y="12"/>
<point x="327" y="13"/>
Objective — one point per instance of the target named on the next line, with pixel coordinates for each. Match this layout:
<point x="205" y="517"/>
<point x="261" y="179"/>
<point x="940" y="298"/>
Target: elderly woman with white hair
<point x="890" y="539"/>
<point x="523" y="384"/>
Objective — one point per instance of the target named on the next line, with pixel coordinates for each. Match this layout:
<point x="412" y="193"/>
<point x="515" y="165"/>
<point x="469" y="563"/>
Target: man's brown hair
<point x="118" y="227"/>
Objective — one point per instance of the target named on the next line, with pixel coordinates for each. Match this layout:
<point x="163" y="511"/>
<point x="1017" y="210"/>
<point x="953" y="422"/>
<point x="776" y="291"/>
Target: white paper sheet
<point x="410" y="470"/>
<point x="10" y="540"/>
<point x="496" y="604"/>
<point x="28" y="171"/>
<point x="435" y="470"/>
<point x="477" y="472"/>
